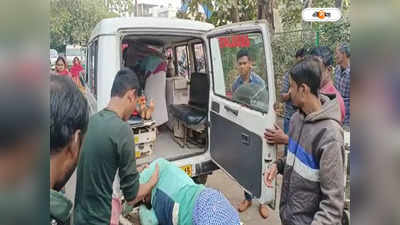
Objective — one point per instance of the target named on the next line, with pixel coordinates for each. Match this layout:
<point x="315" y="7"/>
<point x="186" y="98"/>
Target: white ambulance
<point x="228" y="130"/>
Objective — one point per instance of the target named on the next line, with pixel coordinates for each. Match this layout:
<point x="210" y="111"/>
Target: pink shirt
<point x="329" y="88"/>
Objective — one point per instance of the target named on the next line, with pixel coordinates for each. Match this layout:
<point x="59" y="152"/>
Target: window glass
<point x="182" y="61"/>
<point x="199" y="58"/>
<point x="239" y="69"/>
<point x="169" y="55"/>
<point x="92" y="68"/>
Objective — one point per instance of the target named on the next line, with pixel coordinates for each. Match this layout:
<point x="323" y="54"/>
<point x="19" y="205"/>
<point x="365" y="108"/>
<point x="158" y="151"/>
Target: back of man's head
<point x="69" y="112"/>
<point x="124" y="81"/>
<point x="308" y="72"/>
<point x="324" y="53"/>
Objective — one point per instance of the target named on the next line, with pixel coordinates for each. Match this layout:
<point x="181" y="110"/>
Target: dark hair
<point x="76" y="57"/>
<point x="345" y="48"/>
<point x="241" y="53"/>
<point x="69" y="111"/>
<point x="325" y="53"/>
<point x="62" y="59"/>
<point x="124" y="81"/>
<point x="307" y="71"/>
<point x="301" y="52"/>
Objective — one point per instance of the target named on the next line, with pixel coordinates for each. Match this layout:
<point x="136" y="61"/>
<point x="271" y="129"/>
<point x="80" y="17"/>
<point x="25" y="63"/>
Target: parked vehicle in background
<point x="72" y="51"/>
<point x="53" y="57"/>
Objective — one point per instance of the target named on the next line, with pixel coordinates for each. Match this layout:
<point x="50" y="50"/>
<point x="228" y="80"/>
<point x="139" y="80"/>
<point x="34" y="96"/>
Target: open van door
<point x="240" y="111"/>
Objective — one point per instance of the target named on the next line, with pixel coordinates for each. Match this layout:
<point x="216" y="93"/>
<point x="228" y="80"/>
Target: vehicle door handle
<point x="234" y="111"/>
<point x="245" y="139"/>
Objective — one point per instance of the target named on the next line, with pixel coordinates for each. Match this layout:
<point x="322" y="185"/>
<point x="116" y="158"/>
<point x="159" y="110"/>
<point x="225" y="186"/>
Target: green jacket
<point x="60" y="207"/>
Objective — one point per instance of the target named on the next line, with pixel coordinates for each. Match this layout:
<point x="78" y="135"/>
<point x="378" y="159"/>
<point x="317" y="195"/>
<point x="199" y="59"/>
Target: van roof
<point x="112" y="25"/>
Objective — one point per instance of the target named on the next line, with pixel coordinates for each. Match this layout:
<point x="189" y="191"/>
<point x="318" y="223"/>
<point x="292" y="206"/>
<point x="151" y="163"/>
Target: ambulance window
<point x="182" y="61"/>
<point x="239" y="69"/>
<point x="200" y="62"/>
<point x="92" y="67"/>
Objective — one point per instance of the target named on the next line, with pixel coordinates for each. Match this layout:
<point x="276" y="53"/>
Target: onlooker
<point x="327" y="87"/>
<point x="285" y="95"/>
<point x="313" y="173"/>
<point x="69" y="117"/>
<point x="76" y="69"/>
<point x="246" y="75"/>
<point x="176" y="199"/>
<point x="342" y="77"/>
<point x="277" y="136"/>
<point x="108" y="158"/>
<point x="61" y="67"/>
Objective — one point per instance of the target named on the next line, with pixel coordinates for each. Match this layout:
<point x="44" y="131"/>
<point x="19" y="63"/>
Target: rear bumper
<point x="204" y="168"/>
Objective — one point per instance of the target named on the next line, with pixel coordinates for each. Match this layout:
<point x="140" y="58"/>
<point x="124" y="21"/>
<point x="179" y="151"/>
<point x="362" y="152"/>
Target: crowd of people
<point x="317" y="109"/>
<point x="61" y="68"/>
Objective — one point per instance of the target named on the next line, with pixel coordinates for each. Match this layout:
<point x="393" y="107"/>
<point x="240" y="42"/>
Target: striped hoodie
<point x="313" y="171"/>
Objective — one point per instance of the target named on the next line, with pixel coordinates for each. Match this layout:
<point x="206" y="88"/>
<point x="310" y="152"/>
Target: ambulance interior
<point x="173" y="75"/>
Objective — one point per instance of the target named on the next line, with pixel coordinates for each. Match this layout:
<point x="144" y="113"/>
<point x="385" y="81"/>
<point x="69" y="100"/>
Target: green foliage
<point x="72" y="21"/>
<point x="223" y="11"/>
<point x="284" y="47"/>
<point x="286" y="43"/>
<point x="290" y="12"/>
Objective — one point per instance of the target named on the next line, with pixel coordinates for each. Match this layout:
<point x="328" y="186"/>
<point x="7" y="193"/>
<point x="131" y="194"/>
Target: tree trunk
<point x="307" y="4"/>
<point x="265" y="11"/>
<point x="338" y="4"/>
<point x="235" y="12"/>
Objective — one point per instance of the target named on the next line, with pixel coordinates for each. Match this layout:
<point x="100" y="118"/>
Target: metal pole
<point x="317" y="37"/>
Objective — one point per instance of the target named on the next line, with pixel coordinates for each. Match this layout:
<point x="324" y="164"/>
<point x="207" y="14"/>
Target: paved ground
<point x="234" y="193"/>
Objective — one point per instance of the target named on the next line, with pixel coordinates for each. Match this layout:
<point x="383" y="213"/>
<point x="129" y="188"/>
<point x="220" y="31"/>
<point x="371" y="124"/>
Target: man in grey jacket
<point x="313" y="171"/>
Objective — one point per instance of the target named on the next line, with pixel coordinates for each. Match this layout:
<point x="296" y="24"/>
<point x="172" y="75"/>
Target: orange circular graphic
<point x="321" y="14"/>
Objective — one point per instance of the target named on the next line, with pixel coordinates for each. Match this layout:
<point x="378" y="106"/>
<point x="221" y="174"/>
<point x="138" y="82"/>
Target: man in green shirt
<point x="176" y="199"/>
<point x="108" y="154"/>
<point x="69" y="117"/>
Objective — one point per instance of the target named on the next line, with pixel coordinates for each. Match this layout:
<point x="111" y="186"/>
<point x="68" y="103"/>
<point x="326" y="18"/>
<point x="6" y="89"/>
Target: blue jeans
<point x="286" y="123"/>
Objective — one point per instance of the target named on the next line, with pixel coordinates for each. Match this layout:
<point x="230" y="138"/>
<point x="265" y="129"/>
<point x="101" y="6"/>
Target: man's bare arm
<point x="146" y="188"/>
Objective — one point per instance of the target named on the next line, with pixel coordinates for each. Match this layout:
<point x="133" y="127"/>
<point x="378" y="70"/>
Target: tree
<point x="223" y="11"/>
<point x="265" y="11"/>
<point x="72" y="21"/>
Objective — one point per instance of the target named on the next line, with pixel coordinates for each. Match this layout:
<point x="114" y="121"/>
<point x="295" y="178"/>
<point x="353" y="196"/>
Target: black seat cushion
<point x="189" y="114"/>
<point x="199" y="90"/>
<point x="194" y="113"/>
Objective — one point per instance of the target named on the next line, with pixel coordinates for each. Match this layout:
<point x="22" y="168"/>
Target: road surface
<point x="234" y="193"/>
